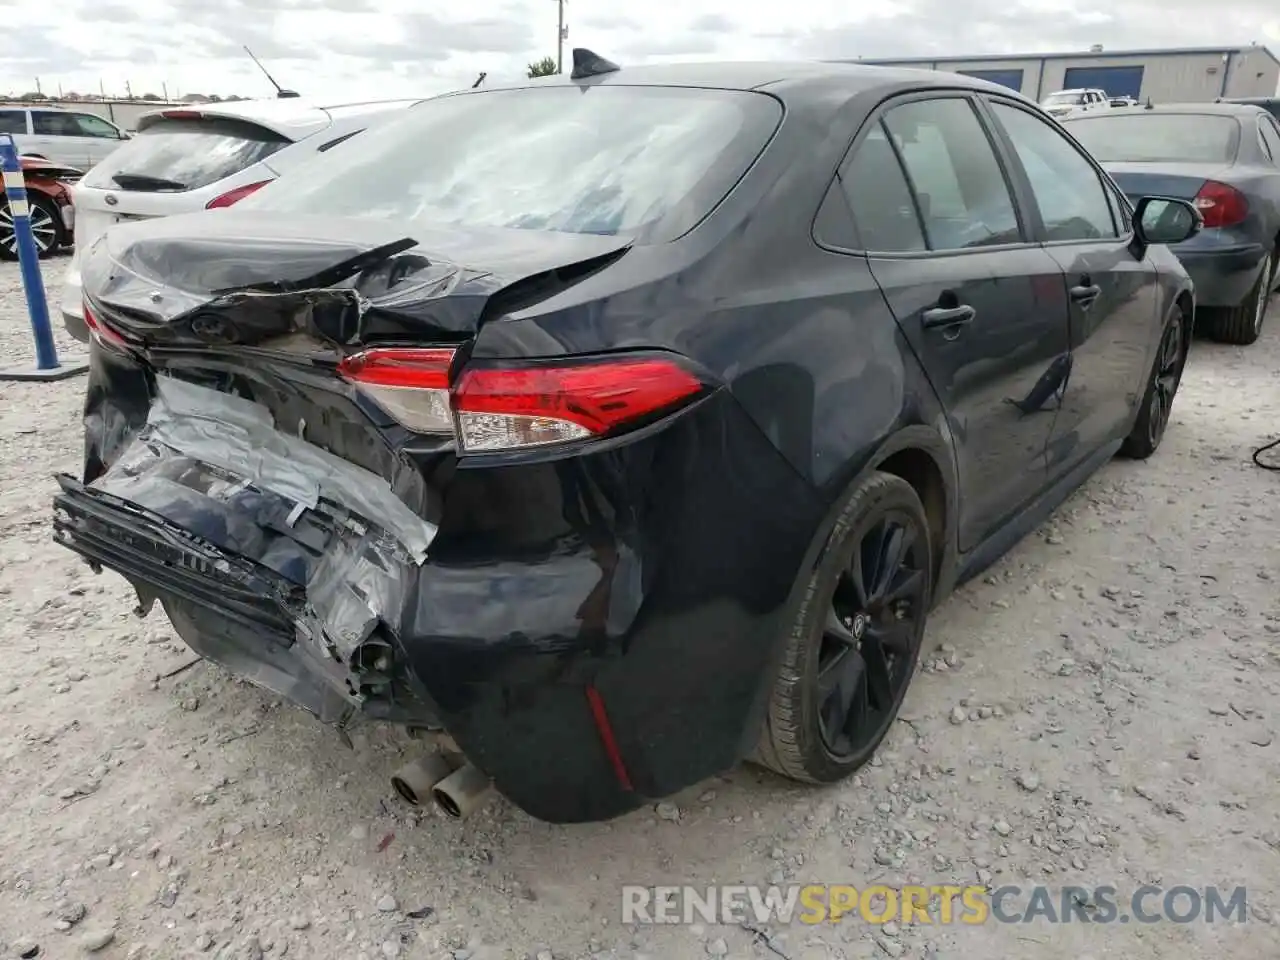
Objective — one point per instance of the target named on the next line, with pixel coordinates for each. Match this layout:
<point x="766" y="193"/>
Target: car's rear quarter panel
<point x="680" y="556"/>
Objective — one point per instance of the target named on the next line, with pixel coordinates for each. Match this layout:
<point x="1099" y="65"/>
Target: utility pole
<point x="561" y="32"/>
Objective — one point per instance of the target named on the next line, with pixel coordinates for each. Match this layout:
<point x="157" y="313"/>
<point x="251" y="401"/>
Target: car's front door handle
<point x="1085" y="295"/>
<point x="948" y="316"/>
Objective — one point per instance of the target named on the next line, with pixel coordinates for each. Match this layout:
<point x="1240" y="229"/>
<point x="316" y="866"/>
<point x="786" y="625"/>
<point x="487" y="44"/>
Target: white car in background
<point x="1072" y="103"/>
<point x="205" y="156"/>
<point x="68" y="137"/>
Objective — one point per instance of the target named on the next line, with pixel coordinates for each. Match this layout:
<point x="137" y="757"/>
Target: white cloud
<point x="380" y="48"/>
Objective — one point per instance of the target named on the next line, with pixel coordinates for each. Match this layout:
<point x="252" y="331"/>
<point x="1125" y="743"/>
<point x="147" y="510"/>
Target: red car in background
<point x="49" y="192"/>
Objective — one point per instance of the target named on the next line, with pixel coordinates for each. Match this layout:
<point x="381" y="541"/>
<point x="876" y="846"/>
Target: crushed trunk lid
<point x="232" y="474"/>
<point x="434" y="279"/>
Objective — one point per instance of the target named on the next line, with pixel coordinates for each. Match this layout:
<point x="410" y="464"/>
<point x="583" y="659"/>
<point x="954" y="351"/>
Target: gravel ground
<point x="1101" y="708"/>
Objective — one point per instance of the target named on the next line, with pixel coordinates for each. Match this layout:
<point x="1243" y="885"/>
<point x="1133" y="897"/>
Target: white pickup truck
<point x="1070" y="103"/>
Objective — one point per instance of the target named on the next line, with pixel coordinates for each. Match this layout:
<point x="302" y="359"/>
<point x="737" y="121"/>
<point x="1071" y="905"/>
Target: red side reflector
<point x="607" y="739"/>
<point x="233" y="196"/>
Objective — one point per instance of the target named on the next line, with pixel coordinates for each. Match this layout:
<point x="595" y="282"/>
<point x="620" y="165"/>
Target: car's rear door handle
<point x="948" y="316"/>
<point x="1085" y="295"/>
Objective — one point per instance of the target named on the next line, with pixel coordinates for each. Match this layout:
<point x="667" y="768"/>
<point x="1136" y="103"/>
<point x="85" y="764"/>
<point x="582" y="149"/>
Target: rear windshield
<point x="1158" y="137"/>
<point x="179" y="155"/>
<point x="606" y="159"/>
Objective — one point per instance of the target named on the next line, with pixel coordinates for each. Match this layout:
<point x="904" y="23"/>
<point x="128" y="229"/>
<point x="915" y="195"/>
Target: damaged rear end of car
<point x="271" y="426"/>
<point x="449" y="453"/>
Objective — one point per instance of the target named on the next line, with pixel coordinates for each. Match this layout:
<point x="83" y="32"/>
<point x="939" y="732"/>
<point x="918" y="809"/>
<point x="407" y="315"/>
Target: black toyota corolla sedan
<point x="626" y="424"/>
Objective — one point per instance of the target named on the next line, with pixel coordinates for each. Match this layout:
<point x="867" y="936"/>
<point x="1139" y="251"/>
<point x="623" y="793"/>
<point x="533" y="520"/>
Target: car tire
<point x="46" y="222"/>
<point x="1162" y="387"/>
<point x="847" y="637"/>
<point x="1243" y="324"/>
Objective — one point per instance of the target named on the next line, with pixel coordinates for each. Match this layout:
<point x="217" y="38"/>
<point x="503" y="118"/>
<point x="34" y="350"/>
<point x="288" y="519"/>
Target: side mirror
<point x="1166" y="220"/>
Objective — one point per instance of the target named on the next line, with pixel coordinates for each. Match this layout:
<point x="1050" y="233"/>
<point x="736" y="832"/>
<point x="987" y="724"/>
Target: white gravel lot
<point x="1105" y="711"/>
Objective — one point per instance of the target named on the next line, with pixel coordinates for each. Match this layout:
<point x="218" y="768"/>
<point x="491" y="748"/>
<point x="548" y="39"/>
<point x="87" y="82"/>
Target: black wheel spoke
<point x="871" y="633"/>
<point x="907" y="584"/>
<point x="1172" y="349"/>
<point x="859" y="718"/>
<point x="857" y="580"/>
<point x="838" y="686"/>
<point x="879" y="680"/>
<point x="837" y="631"/>
<point x="894" y="637"/>
<point x="895" y="542"/>
<point x="847" y="600"/>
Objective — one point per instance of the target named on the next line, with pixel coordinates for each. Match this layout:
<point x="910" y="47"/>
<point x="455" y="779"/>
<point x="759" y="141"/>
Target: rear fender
<point x="925" y="439"/>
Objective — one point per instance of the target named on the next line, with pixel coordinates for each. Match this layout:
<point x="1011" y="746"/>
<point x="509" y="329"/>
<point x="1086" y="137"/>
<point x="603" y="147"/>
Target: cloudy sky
<point x="408" y="47"/>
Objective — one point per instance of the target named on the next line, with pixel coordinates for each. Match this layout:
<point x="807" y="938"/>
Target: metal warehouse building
<point x="1187" y="75"/>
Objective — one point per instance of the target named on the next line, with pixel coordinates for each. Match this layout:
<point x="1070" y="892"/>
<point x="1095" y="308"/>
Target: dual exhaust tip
<point x="458" y="792"/>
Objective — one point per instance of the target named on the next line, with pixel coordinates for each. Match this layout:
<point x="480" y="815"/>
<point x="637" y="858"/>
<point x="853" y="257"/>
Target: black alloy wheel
<point x="1168" y="374"/>
<point x="1162" y="387"/>
<point x="867" y="649"/>
<point x="853" y="647"/>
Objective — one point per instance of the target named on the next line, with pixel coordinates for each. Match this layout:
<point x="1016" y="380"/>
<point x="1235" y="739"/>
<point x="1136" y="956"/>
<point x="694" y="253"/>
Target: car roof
<point x="782" y="78"/>
<point x="1192" y="109"/>
<point x="292" y="117"/>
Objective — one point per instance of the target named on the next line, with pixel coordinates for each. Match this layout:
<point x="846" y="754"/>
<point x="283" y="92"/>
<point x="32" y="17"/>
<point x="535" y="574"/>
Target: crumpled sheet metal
<point x="240" y="436"/>
<point x="215" y="465"/>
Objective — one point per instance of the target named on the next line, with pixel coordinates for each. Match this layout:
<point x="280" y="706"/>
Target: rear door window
<point x="884" y="212"/>
<point x="960" y="189"/>
<point x="186" y="154"/>
<point x="13" y="121"/>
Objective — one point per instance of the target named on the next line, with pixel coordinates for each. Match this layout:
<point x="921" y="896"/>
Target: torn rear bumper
<point x="622" y="582"/>
<point x="232" y="611"/>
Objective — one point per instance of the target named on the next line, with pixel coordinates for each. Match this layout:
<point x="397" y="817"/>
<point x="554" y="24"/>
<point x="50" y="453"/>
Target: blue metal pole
<point x="15" y="191"/>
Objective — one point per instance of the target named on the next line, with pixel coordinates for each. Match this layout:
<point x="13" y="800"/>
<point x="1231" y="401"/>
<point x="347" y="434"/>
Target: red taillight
<point x="181" y="114"/>
<point x="410" y="384"/>
<point x="504" y="408"/>
<point x="234" y="196"/>
<point x="102" y="335"/>
<point x="1221" y="205"/>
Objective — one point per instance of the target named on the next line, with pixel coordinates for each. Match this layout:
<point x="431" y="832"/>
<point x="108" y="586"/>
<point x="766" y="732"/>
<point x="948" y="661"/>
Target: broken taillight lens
<point x="102" y="335"/>
<point x="497" y="408"/>
<point x="410" y="384"/>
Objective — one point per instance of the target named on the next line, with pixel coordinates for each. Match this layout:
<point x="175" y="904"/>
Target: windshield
<point x="603" y="160"/>
<point x="1149" y="137"/>
<point x="1063" y="100"/>
<point x="177" y="155"/>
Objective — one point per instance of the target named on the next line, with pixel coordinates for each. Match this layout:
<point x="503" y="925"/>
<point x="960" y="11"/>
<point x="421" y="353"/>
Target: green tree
<point x="543" y="68"/>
